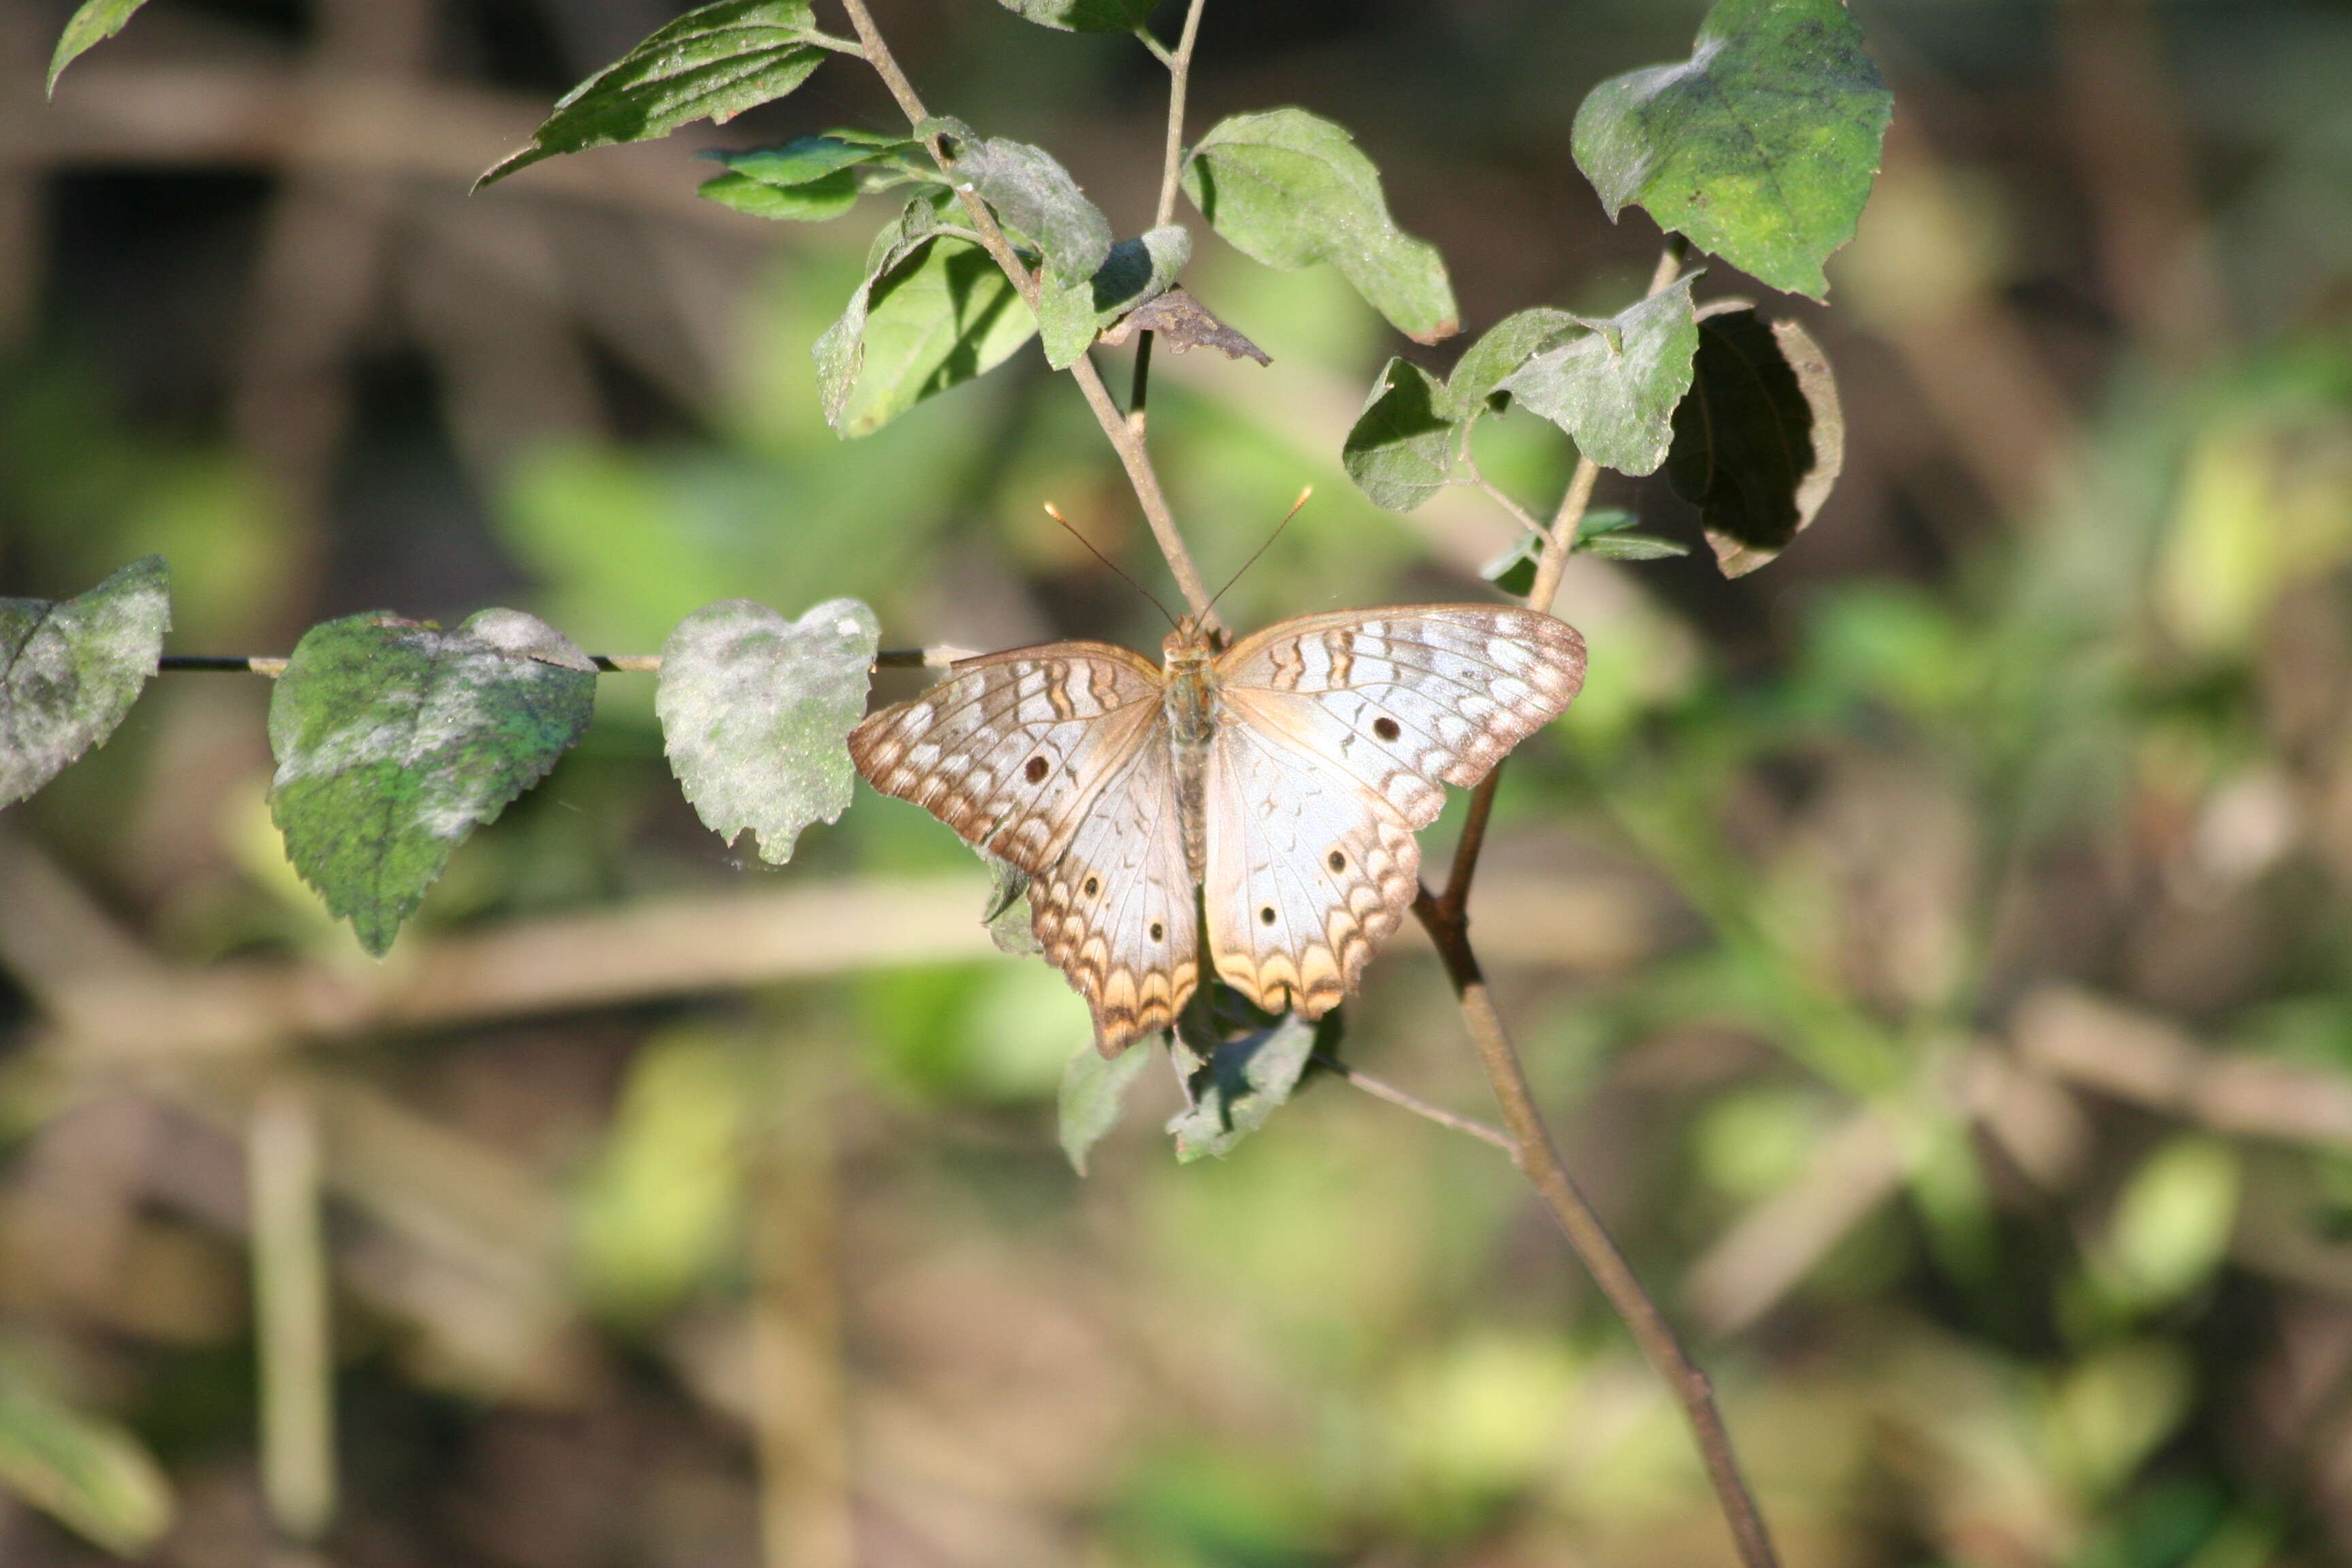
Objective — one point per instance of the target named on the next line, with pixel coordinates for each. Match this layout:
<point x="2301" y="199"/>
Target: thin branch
<point x="1132" y="454"/>
<point x="936" y="657"/>
<point x="1380" y="1088"/>
<point x="1538" y="1160"/>
<point x="1159" y="50"/>
<point x="1179" y="76"/>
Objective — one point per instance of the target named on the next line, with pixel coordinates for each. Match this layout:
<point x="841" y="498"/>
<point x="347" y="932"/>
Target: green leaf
<point x="1499" y="350"/>
<point x="1614" y="388"/>
<point x="90" y="1475"/>
<point x="1235" y="1084"/>
<point x="1400" y="450"/>
<point x="840" y="349"/>
<point x="806" y="160"/>
<point x="1290" y="189"/>
<point x="1084" y="15"/>
<point x="1761" y="440"/>
<point x="1760" y="147"/>
<point x="97" y="21"/>
<point x="940" y="315"/>
<point x="712" y="63"/>
<point x="1601" y="519"/>
<point x="1633" y="547"/>
<point x="1034" y="194"/>
<point x="756" y="713"/>
<point x="70" y="670"/>
<point x="1514" y="571"/>
<point x="1094" y="1093"/>
<point x="393" y="738"/>
<point x="812" y="201"/>
<point x="1069" y="315"/>
<point x="1010" y="920"/>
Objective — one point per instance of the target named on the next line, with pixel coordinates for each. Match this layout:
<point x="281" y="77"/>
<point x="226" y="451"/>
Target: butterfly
<point x="1282" y="778"/>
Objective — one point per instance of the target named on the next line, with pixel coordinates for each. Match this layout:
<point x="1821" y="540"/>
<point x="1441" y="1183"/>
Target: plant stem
<point x="1446" y="918"/>
<point x="1381" y="1088"/>
<point x="1179" y="75"/>
<point x="1533" y="1152"/>
<point x="1133" y="455"/>
<point x="290" y="1312"/>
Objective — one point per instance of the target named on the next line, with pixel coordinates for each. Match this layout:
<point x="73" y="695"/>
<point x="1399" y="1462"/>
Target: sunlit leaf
<point x="90" y="1475"/>
<point x="712" y="63"/>
<point x="756" y="713"/>
<point x="1069" y="314"/>
<point x="97" y="21"/>
<point x="840" y="349"/>
<point x="1235" y="1084"/>
<point x="1084" y="15"/>
<point x="1761" y="440"/>
<point x="394" y="738"/>
<point x="1500" y="350"/>
<point x="1291" y="189"/>
<point x="1760" y="147"/>
<point x="1029" y="189"/>
<point x="812" y="201"/>
<point x="2172" y="1221"/>
<point x="946" y="315"/>
<point x="1400" y="450"/>
<point x="1094" y="1093"/>
<point x="70" y="670"/>
<point x="1614" y="388"/>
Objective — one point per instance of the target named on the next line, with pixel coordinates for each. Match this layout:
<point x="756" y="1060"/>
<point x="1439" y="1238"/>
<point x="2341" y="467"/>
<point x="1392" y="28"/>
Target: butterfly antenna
<point x="1054" y="512"/>
<point x="1262" y="548"/>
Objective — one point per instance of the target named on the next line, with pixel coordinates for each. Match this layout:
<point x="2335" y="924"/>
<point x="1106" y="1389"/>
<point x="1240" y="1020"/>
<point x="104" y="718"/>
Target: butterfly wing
<point x="1055" y="759"/>
<point x="1012" y="748"/>
<point x="1336" y="738"/>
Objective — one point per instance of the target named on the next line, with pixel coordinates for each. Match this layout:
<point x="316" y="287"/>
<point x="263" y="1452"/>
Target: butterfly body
<point x="1264" y="794"/>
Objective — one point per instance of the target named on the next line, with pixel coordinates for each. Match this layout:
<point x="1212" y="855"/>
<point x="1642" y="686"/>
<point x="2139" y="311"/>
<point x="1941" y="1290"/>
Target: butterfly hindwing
<point x="1116" y="913"/>
<point x="1308" y="874"/>
<point x="1011" y="747"/>
<point x="1406" y="700"/>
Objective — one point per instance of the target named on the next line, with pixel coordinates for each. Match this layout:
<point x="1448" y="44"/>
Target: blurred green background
<point x="1933" y="949"/>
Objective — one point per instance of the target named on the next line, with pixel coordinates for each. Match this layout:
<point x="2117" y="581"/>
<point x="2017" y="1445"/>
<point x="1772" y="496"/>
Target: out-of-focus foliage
<point x="1933" y="948"/>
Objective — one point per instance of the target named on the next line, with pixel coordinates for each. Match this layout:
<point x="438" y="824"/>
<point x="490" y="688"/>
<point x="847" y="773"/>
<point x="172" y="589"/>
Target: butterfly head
<point x="1191" y="647"/>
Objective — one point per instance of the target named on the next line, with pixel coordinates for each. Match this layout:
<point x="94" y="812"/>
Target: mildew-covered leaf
<point x="1291" y="189"/>
<point x="1234" y="1084"/>
<point x="756" y="712"/>
<point x="1400" y="450"/>
<point x="1069" y="314"/>
<point x="1760" y="441"/>
<point x="1760" y="147"/>
<point x="394" y="738"/>
<point x="70" y="670"/>
<point x="97" y="21"/>
<point x="1094" y="1093"/>
<point x="1614" y="388"/>
<point x="1029" y="189"/>
<point x="1084" y="15"/>
<point x="712" y="63"/>
<point x="1500" y="350"/>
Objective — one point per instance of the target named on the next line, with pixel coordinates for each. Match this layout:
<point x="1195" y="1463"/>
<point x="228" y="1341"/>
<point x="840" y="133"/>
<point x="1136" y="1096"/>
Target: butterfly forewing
<point x="1011" y="747"/>
<point x="1405" y="700"/>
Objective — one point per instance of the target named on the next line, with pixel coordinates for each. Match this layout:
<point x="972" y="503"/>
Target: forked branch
<point x="1127" y="442"/>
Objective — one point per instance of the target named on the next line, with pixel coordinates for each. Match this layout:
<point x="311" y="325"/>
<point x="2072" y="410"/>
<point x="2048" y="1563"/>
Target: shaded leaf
<point x="90" y="1475"/>
<point x="1400" y="450"/>
<point x="97" y="21"/>
<point x="1761" y="440"/>
<point x="1760" y="147"/>
<point x="812" y="201"/>
<point x="1069" y="314"/>
<point x="1614" y="388"/>
<point x="70" y="670"/>
<point x="1499" y="350"/>
<point x="1290" y="189"/>
<point x="1234" y="1085"/>
<point x="1084" y="15"/>
<point x="1514" y="571"/>
<point x="1010" y="922"/>
<point x="756" y="712"/>
<point x="1034" y="194"/>
<point x="712" y="63"/>
<point x="1633" y="547"/>
<point x="393" y="738"/>
<point x="1180" y="322"/>
<point x="1094" y="1093"/>
<point x="1602" y="519"/>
